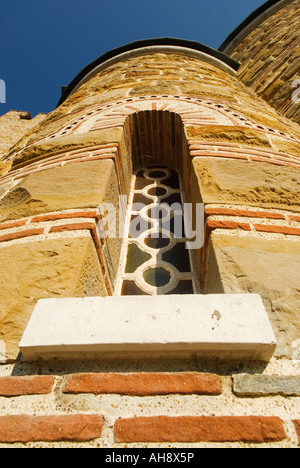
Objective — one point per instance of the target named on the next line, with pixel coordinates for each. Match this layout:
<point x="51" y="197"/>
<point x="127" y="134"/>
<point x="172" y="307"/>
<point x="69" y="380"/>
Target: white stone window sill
<point x="233" y="326"/>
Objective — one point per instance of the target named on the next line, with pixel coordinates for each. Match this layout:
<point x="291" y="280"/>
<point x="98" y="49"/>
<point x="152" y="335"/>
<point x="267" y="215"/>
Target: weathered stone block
<point x="54" y="267"/>
<point x="263" y="385"/>
<point x="248" y="183"/>
<point x="211" y="326"/>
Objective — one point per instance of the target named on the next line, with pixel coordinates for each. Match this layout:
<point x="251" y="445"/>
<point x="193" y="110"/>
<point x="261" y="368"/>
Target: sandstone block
<point x="72" y="427"/>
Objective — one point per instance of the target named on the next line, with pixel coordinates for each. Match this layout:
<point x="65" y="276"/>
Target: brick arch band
<point x="192" y="110"/>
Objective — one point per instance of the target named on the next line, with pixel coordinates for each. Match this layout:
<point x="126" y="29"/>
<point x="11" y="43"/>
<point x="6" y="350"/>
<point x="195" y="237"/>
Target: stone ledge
<point x="213" y="326"/>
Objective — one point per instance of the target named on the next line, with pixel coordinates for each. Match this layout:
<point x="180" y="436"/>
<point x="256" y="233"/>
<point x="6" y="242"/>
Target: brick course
<point x="72" y="227"/>
<point x="261" y="385"/>
<point x="277" y="229"/>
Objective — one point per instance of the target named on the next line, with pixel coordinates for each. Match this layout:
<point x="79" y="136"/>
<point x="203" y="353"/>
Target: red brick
<point x="21" y="234"/>
<point x="75" y="427"/>
<point x="28" y="385"/>
<point x="277" y="229"/>
<point x="13" y="224"/>
<point x="90" y="158"/>
<point x="297" y="427"/>
<point x="276" y="162"/>
<point x="200" y="429"/>
<point x="263" y="159"/>
<point x="97" y="243"/>
<point x="245" y="213"/>
<point x="144" y="384"/>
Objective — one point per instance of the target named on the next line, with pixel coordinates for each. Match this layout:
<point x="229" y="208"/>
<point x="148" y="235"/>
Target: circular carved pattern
<point x="157" y="261"/>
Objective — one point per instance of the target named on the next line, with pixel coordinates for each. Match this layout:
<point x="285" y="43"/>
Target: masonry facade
<point x="234" y="140"/>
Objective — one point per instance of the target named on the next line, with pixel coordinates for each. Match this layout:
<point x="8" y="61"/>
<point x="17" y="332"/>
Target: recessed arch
<point x="157" y="137"/>
<point x="156" y="219"/>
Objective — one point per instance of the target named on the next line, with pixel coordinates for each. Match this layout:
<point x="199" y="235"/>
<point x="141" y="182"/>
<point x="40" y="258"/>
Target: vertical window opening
<point x="156" y="258"/>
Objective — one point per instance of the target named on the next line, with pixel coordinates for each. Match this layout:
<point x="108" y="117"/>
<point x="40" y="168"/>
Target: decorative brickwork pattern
<point x="192" y="111"/>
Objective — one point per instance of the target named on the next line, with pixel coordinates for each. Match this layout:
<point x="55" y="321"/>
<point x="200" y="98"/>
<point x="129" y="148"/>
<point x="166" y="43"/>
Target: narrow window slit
<point x="157" y="260"/>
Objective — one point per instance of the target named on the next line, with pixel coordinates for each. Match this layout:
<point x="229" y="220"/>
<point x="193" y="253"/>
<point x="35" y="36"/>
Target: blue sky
<point x="45" y="43"/>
